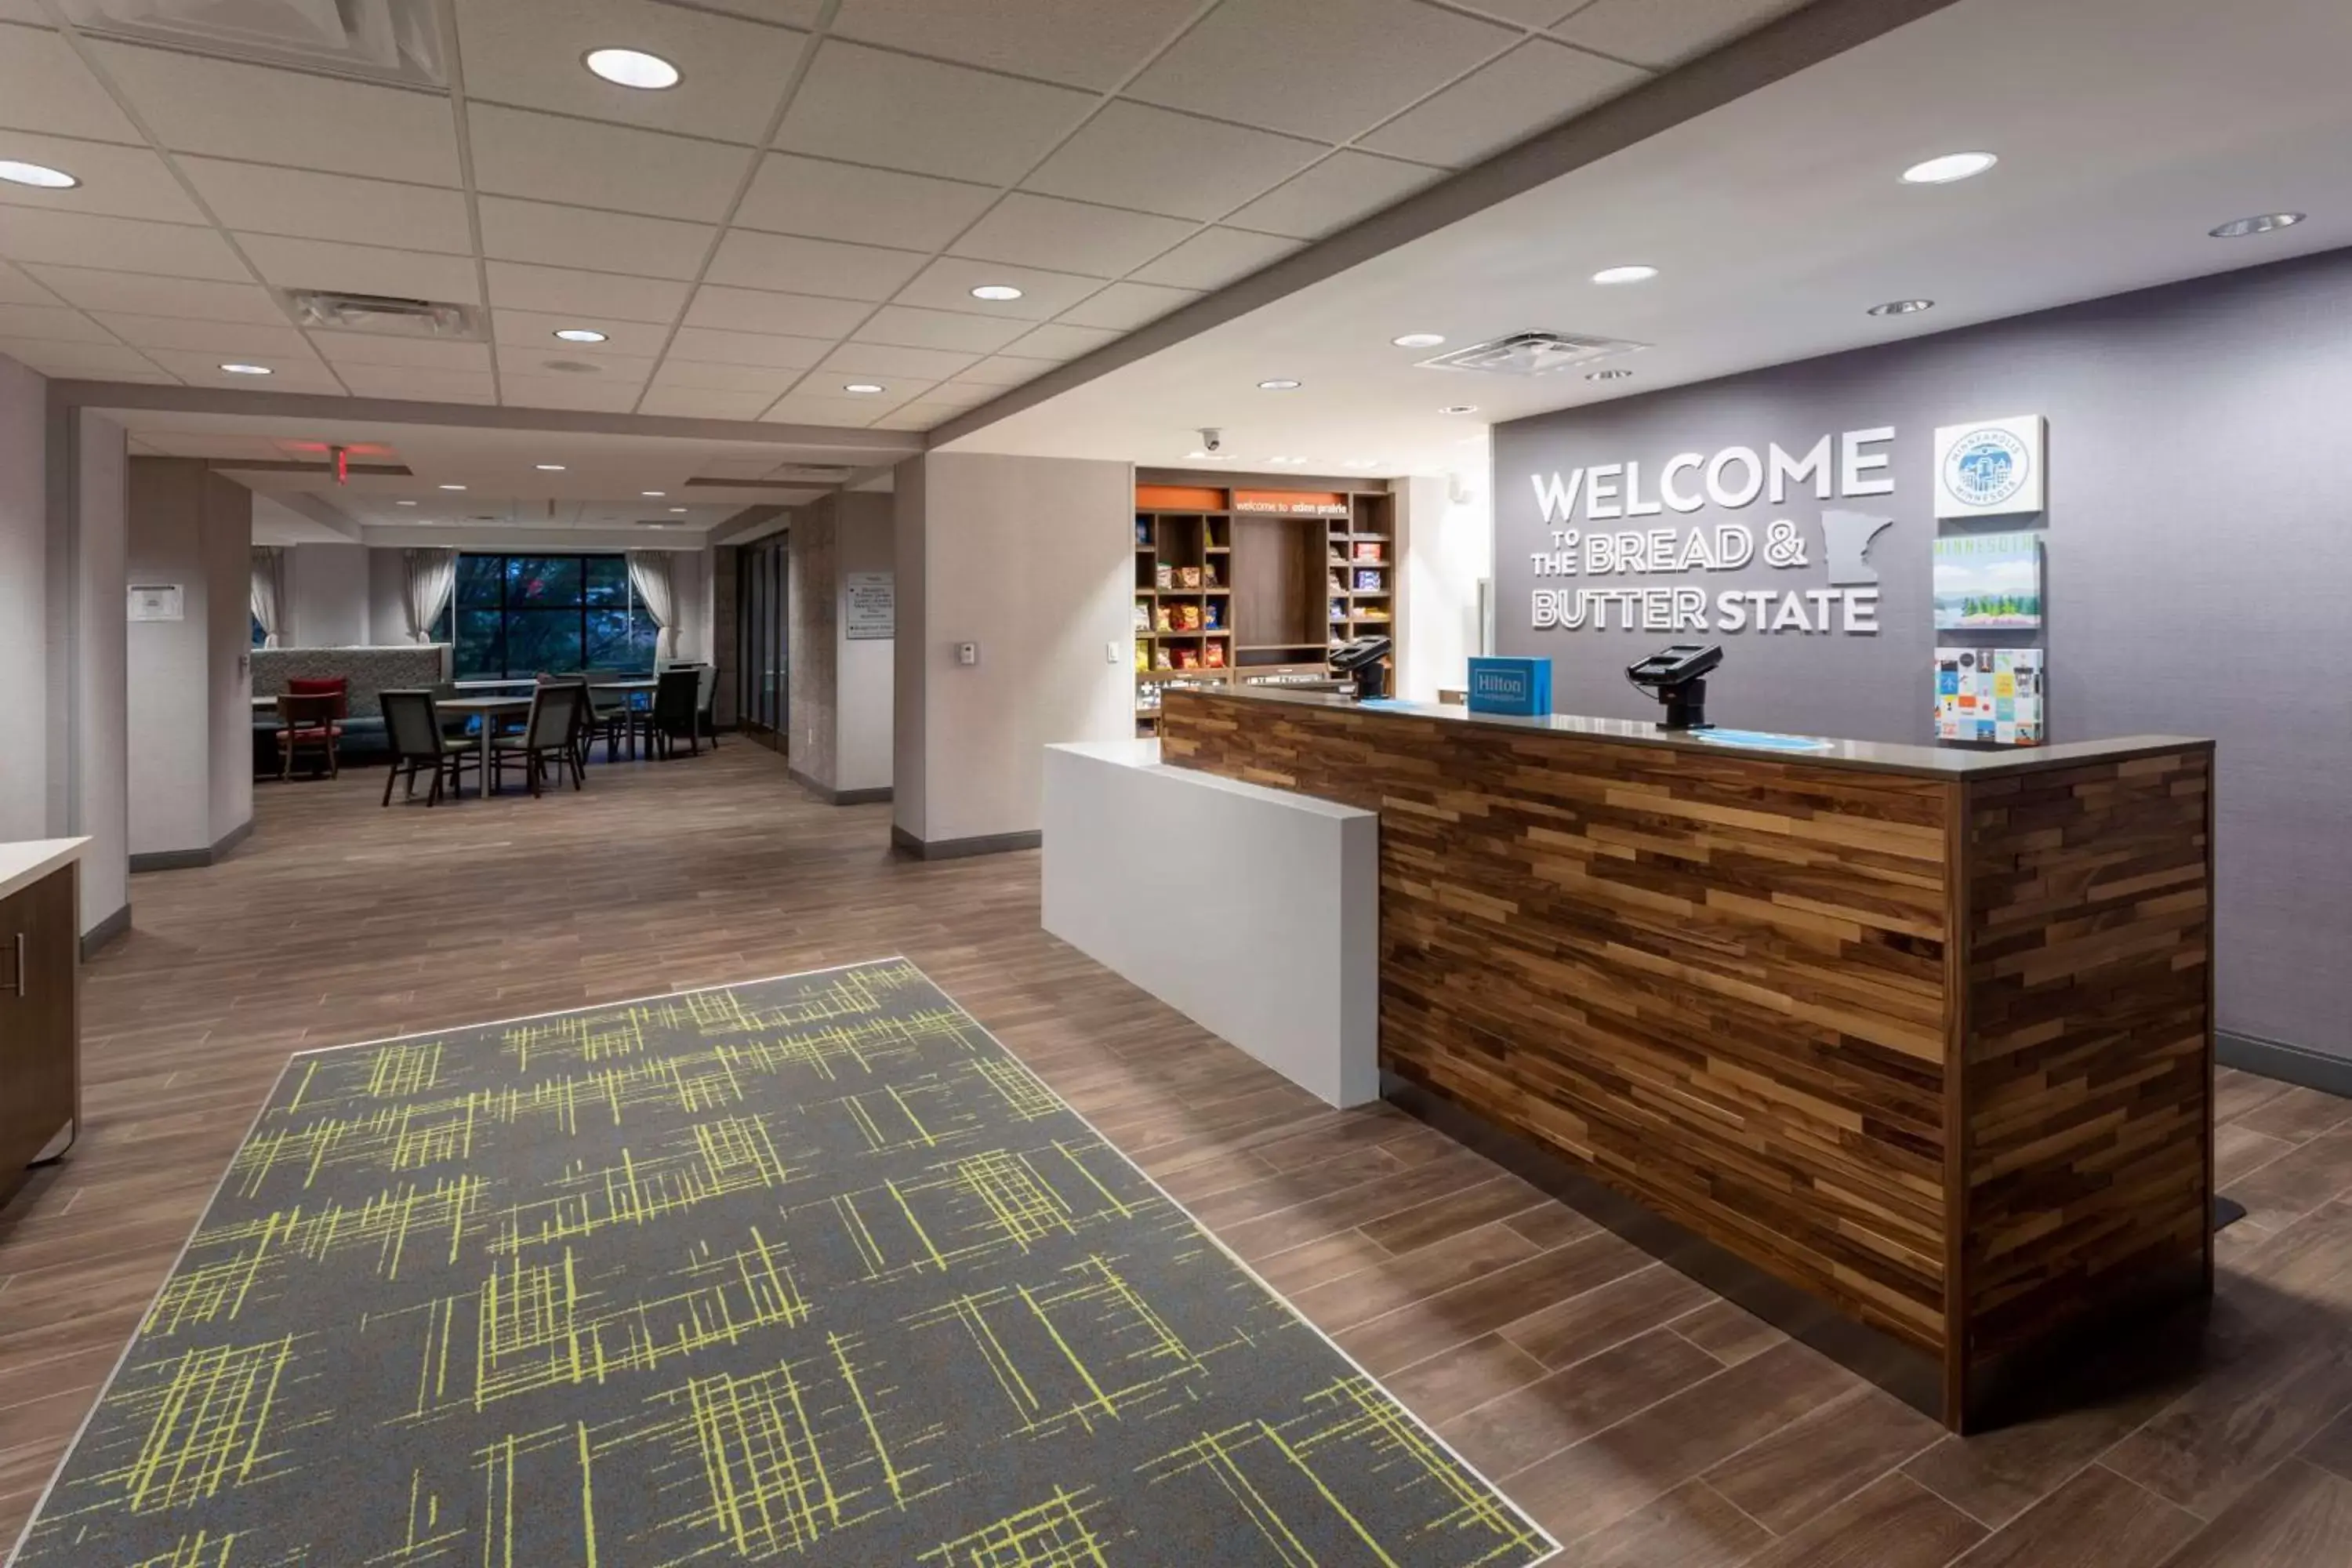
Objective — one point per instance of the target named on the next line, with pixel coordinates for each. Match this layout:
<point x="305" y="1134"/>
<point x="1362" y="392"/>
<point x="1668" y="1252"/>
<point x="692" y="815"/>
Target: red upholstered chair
<point x="338" y="687"/>
<point x="307" y="721"/>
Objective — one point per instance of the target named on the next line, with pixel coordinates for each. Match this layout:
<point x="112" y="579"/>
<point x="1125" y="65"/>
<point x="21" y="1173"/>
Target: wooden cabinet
<point x="40" y="1036"/>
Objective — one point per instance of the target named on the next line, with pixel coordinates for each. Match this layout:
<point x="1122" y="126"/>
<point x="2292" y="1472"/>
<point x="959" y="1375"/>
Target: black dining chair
<point x="673" y="718"/>
<point x="413" y="724"/>
<point x="549" y="735"/>
<point x="607" y="715"/>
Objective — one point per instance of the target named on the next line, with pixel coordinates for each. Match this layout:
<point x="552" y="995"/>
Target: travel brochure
<point x="1990" y="695"/>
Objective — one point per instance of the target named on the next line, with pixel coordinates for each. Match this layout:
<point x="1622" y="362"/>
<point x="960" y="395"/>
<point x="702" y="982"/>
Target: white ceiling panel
<point x="343" y="349"/>
<point x="789" y="315"/>
<point x="24" y="11"/>
<point x="947" y="284"/>
<point x="604" y="241"/>
<point x="577" y="391"/>
<point x="56" y="323"/>
<point x="44" y="85"/>
<point x="812" y="408"/>
<point x="1538" y="84"/>
<point x="518" y="153"/>
<point x="1003" y="370"/>
<point x="758" y="349"/>
<point x="903" y="365"/>
<point x="88" y="362"/>
<point x="229" y="339"/>
<point x="789" y="13"/>
<point x="1127" y="306"/>
<point x="117" y="243"/>
<point x="676" y="371"/>
<point x="537" y="330"/>
<point x="1058" y="342"/>
<point x="792" y="194"/>
<point x="1134" y="155"/>
<point x="416" y="381"/>
<point x="1214" y="257"/>
<point x="909" y="326"/>
<point x="142" y="295"/>
<point x="920" y="415"/>
<point x="17" y="289"/>
<point x="259" y="199"/>
<point x="869" y="107"/>
<point x="528" y="52"/>
<point x="117" y="181"/>
<point x="196" y="104"/>
<point x="1662" y="33"/>
<point x="1083" y="42"/>
<point x="1336" y="192"/>
<point x="540" y="361"/>
<point x="363" y="268"/>
<point x="1531" y="13"/>
<point x="556" y="291"/>
<point x="789" y="264"/>
<point x="303" y="371"/>
<point x="1070" y="237"/>
<point x="705" y="403"/>
<point x="1326" y="68"/>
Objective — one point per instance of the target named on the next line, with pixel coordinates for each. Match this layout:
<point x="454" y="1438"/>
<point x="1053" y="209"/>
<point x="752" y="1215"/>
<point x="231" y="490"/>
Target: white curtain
<point x="428" y="578"/>
<point x="649" y="573"/>
<point x="270" y="592"/>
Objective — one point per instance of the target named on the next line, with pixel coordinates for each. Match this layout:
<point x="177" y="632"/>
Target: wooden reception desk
<point x="1925" y="1034"/>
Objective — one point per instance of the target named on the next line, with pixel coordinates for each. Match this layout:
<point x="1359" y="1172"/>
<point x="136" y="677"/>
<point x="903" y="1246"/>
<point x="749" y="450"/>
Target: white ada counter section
<point x="1253" y="911"/>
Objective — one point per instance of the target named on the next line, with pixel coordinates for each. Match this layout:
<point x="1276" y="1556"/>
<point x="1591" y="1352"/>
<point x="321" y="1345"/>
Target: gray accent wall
<point x="2198" y="570"/>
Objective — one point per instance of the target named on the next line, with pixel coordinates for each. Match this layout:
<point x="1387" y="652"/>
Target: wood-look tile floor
<point x="1643" y="1420"/>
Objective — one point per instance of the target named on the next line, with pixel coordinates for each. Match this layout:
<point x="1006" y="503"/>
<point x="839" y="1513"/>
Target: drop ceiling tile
<point x="1133" y="156"/>
<point x="1000" y="371"/>
<point x="559" y="289"/>
<point x="947" y="284"/>
<point x="518" y="153"/>
<point x="811" y="408"/>
<point x="1331" y="69"/>
<point x="609" y="242"/>
<point x="1662" y="33"/>
<point x="117" y="182"/>
<point x="709" y="346"/>
<point x="909" y="326"/>
<point x="542" y="364"/>
<point x="537" y="330"/>
<point x="870" y="107"/>
<point x="792" y="194"/>
<point x="222" y="340"/>
<point x="789" y="13"/>
<point x="86" y="362"/>
<point x="117" y="244"/>
<point x="676" y="371"/>
<point x="788" y="315"/>
<point x="901" y="364"/>
<point x="789" y="264"/>
<point x="1335" y="193"/>
<point x="574" y="391"/>
<point x="259" y="199"/>
<point x="1083" y="42"/>
<point x="44" y="85"/>
<point x="420" y="383"/>
<point x="53" y="323"/>
<point x="303" y="371"/>
<point x="1539" y="83"/>
<point x="17" y="289"/>
<point x="1531" y="13"/>
<point x="344" y="349"/>
<point x="925" y="413"/>
<point x="1070" y="237"/>
<point x="196" y="104"/>
<point x="363" y="268"/>
<point x="705" y="403"/>
<point x="26" y="11"/>
<point x="529" y="52"/>
<point x="1127" y="306"/>
<point x="142" y="295"/>
<point x="1058" y="342"/>
<point x="1214" y="257"/>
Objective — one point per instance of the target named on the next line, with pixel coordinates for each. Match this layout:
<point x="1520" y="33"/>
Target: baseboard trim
<point x="2289" y="1064"/>
<point x="183" y="860"/>
<point x="961" y="849"/>
<point x="104" y="932"/>
<point x="837" y="796"/>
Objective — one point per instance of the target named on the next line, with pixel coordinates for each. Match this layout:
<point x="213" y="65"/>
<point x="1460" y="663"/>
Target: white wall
<point x="23" y="621"/>
<point x="1033" y="559"/>
<point x="387" y="598"/>
<point x="327" y="597"/>
<point x="97" y="658"/>
<point x="229" y="569"/>
<point x="1446" y="523"/>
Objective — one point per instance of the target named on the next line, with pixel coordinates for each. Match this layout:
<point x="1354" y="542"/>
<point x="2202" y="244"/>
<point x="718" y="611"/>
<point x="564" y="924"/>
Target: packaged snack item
<point x="1142" y="656"/>
<point x="1142" y="617"/>
<point x="1216" y="615"/>
<point x="1192" y="614"/>
<point x="1369" y="581"/>
<point x="1166" y="621"/>
<point x="1339" y="583"/>
<point x="1188" y="576"/>
<point x="1162" y="661"/>
<point x="1187" y="660"/>
<point x="1209" y="577"/>
<point x="1163" y="576"/>
<point x="1143" y="531"/>
<point x="1339" y="609"/>
<point x="1216" y="658"/>
<point x="1368" y="550"/>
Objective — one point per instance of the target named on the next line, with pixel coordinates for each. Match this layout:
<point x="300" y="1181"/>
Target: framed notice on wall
<point x="870" y="611"/>
<point x="157" y="602"/>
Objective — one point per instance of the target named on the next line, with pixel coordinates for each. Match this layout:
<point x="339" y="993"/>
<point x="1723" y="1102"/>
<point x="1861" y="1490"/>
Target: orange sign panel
<point x="1292" y="503"/>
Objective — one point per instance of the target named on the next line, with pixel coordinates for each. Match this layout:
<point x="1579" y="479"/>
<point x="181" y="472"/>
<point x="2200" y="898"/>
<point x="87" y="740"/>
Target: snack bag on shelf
<point x="1161" y="662"/>
<point x="1208" y="578"/>
<point x="1368" y="550"/>
<point x="1187" y="660"/>
<point x="1142" y="617"/>
<point x="1192" y="614"/>
<point x="1215" y="619"/>
<point x="1215" y="658"/>
<point x="1167" y="622"/>
<point x="1163" y="576"/>
<point x="1142" y="656"/>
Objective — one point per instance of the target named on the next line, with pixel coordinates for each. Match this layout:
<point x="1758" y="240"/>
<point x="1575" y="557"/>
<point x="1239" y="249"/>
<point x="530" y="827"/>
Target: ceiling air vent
<point x="1532" y="354"/>
<point x="376" y="40"/>
<point x="383" y="313"/>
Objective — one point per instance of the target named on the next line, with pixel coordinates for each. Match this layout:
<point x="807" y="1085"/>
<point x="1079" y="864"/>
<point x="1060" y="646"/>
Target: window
<point x="515" y="615"/>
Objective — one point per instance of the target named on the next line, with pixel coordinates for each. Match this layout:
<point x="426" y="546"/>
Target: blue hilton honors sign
<point x="1617" y="567"/>
<point x="1517" y="686"/>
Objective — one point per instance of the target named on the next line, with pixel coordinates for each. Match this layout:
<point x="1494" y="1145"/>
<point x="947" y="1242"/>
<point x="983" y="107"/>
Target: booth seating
<point x="366" y="672"/>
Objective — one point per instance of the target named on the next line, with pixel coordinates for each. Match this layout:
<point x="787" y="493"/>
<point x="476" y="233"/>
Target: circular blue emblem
<point x="1986" y="467"/>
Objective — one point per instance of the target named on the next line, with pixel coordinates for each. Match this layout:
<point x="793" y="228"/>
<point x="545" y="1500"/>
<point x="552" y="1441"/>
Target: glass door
<point x="762" y="654"/>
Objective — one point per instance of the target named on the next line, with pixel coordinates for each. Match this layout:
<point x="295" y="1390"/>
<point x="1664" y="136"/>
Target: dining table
<point x="489" y="707"/>
<point x="628" y="689"/>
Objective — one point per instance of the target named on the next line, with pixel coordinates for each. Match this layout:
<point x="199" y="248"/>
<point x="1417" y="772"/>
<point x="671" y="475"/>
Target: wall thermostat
<point x="967" y="653"/>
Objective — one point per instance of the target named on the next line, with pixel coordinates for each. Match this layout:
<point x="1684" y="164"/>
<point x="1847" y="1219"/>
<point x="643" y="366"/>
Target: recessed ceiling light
<point x="1634" y="274"/>
<point x="404" y="503"/>
<point x="863" y="388"/>
<point x="580" y="335"/>
<point x="1902" y="306"/>
<point x="1290" y="462"/>
<point x="549" y="468"/>
<point x="236" y="369"/>
<point x="452" y="486"/>
<point x="1419" y="340"/>
<point x="654" y="494"/>
<point x="1609" y="376"/>
<point x="996" y="291"/>
<point x="1279" y="384"/>
<point x="632" y="68"/>
<point x="677" y="509"/>
<point x="2261" y="223"/>
<point x="1947" y="168"/>
<point x="39" y="176"/>
<point x="1364" y="462"/>
<point x="1198" y="456"/>
<point x="1459" y="408"/>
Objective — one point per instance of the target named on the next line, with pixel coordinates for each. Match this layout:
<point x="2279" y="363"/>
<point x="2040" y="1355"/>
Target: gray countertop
<point x="1929" y="762"/>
